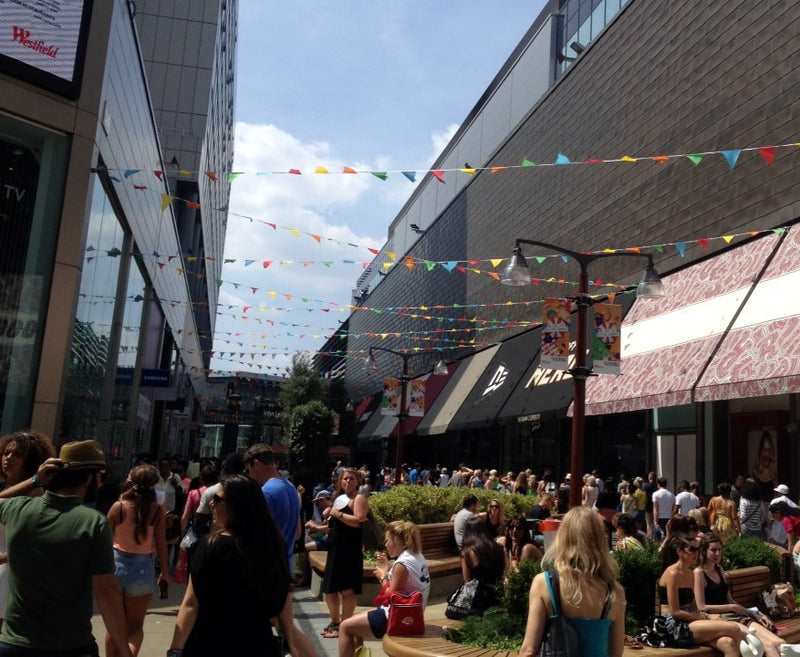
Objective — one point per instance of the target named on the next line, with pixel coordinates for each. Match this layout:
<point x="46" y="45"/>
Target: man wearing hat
<point x="317" y="527"/>
<point x="59" y="553"/>
<point x="777" y="533"/>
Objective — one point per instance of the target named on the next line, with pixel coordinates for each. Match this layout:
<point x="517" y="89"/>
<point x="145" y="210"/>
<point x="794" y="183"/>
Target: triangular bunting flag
<point x="346" y="169"/>
<point x="380" y="174"/>
<point x="694" y="158"/>
<point x="527" y="163"/>
<point x="233" y="175"/>
<point x="438" y="174"/>
<point x="166" y="199"/>
<point x="681" y="247"/>
<point x="768" y="153"/>
<point x="411" y="175"/>
<point x="562" y="159"/>
<point x="211" y="175"/>
<point x="320" y="169"/>
<point x="730" y="157"/>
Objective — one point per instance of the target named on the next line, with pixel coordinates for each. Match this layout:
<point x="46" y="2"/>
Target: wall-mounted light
<point x="577" y="47"/>
<point x="417" y="229"/>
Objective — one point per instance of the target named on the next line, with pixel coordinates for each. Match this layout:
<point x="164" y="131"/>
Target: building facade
<point x="104" y="329"/>
<point x="642" y="132"/>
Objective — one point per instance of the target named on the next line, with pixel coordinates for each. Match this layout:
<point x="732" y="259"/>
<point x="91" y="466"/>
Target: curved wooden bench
<point x="440" y="552"/>
<point x="745" y="585"/>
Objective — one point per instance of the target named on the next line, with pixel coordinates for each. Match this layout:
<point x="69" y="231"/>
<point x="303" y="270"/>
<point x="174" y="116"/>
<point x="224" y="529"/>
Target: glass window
<point x="89" y="357"/>
<point x="32" y="171"/>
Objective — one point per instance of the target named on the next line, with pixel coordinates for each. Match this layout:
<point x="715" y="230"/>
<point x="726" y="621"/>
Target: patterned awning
<point x="669" y="345"/>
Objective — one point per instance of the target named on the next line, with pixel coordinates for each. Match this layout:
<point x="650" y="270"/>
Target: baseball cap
<point x="783" y="489"/>
<point x="322" y="495"/>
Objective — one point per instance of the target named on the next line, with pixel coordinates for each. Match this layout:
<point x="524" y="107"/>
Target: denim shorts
<point x="136" y="573"/>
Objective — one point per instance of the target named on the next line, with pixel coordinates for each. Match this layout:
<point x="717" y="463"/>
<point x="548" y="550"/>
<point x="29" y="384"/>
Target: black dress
<point x="345" y="560"/>
<point x="233" y="614"/>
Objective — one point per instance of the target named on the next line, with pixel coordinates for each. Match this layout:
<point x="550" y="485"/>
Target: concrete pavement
<point x="310" y="614"/>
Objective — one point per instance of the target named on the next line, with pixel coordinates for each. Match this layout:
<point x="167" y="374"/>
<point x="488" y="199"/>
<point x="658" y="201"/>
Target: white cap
<point x="783" y="489"/>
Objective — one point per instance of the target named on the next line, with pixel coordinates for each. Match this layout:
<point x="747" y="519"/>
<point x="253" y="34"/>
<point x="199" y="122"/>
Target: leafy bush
<point x="429" y="504"/>
<point x="639" y="571"/>
<point x="746" y="551"/>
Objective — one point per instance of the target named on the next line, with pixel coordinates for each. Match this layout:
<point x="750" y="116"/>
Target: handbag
<point x="189" y="538"/>
<point x="461" y="602"/>
<point x="678" y="632"/>
<point x="405" y="614"/>
<point x="560" y="639"/>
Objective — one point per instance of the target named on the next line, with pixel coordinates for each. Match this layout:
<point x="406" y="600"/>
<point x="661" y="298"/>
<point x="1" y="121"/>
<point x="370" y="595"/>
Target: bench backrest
<point x="746" y="583"/>
<point x="438" y="540"/>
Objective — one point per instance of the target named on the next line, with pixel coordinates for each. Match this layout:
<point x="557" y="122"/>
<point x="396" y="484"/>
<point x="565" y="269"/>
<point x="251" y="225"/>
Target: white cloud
<point x="348" y="214"/>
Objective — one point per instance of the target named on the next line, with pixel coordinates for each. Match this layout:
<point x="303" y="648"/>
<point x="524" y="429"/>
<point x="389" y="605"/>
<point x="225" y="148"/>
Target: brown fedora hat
<point x="83" y="455"/>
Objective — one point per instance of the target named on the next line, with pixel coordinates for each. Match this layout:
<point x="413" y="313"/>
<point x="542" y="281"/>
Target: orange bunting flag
<point x="192" y="204"/>
<point x="211" y="175"/>
<point x="347" y="169"/>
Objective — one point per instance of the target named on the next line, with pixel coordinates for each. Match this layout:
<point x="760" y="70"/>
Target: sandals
<point x="331" y="631"/>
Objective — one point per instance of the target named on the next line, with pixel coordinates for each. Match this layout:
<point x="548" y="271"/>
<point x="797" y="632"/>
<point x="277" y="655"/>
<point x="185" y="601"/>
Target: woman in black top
<point x="712" y="595"/>
<point x="239" y="578"/>
<point x="482" y="558"/>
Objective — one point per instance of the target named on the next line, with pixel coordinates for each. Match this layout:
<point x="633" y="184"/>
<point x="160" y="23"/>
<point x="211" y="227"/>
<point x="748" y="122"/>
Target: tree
<point x="301" y="387"/>
<point x="310" y="427"/>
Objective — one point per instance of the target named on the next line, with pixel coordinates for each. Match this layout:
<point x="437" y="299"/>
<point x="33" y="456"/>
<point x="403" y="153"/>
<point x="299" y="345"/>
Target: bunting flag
<point x="729" y="155"/>
<point x="606" y="346"/>
<point x="555" y="334"/>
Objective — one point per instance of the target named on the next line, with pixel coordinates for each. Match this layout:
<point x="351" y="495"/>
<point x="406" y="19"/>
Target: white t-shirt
<point x="665" y="500"/>
<point x="419" y="579"/>
<point x="459" y="523"/>
<point x="687" y="501"/>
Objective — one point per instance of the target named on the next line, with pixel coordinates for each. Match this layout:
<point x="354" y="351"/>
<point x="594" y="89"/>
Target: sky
<point x="379" y="85"/>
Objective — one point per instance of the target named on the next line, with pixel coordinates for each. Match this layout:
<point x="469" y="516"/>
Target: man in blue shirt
<point x="280" y="494"/>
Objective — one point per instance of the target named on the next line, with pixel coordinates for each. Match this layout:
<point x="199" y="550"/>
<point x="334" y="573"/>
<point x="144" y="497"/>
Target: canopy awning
<point x="438" y="418"/>
<point x="497" y="382"/>
<point x="760" y="355"/>
<point x="668" y="343"/>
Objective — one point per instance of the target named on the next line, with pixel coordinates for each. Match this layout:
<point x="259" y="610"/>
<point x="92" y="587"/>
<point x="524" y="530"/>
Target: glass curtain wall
<point x="90" y="356"/>
<point x="32" y="170"/>
<point x="583" y="21"/>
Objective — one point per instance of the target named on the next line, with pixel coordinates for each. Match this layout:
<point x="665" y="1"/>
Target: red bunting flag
<point x="768" y="153"/>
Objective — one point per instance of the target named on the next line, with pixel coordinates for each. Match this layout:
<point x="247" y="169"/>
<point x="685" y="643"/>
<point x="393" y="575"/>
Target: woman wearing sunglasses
<point x="676" y="593"/>
<point x="713" y="596"/>
<point x="239" y="578"/>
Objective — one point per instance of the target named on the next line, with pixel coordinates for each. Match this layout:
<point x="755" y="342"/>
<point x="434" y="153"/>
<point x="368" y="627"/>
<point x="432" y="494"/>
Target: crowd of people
<point x="240" y="526"/>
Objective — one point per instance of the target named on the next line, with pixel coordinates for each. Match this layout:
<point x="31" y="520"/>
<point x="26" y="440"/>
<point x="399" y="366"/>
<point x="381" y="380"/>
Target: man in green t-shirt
<point x="59" y="555"/>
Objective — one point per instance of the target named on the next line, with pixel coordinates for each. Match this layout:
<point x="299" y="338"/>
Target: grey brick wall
<point x="665" y="77"/>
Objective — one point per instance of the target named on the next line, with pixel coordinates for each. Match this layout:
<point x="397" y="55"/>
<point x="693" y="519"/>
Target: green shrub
<point x="429" y="504"/>
<point x="639" y="571"/>
<point x="746" y="551"/>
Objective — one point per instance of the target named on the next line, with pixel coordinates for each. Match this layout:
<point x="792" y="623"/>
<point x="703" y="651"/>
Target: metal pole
<point x="579" y="374"/>
<point x="401" y="424"/>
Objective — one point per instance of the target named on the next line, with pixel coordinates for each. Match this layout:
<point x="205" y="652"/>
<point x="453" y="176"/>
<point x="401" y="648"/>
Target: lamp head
<point x="440" y="368"/>
<point x="651" y="286"/>
<point x="516" y="272"/>
<point x="370" y="364"/>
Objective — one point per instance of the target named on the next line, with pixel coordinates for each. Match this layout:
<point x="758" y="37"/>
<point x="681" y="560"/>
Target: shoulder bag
<point x="461" y="602"/>
<point x="405" y="614"/>
<point x="560" y="639"/>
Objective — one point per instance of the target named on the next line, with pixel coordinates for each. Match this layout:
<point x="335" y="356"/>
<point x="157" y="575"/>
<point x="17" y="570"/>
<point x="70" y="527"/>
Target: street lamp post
<point x="440" y="369"/>
<point x="518" y="274"/>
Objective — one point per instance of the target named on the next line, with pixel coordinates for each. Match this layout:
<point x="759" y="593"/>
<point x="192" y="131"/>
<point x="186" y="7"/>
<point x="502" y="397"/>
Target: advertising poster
<point x="43" y="41"/>
<point x="416" y="398"/>
<point x="606" y="344"/>
<point x="555" y="334"/>
<point x="390" y="402"/>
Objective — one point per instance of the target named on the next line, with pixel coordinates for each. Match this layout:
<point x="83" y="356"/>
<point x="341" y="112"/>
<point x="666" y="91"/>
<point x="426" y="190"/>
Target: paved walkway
<point x="310" y="614"/>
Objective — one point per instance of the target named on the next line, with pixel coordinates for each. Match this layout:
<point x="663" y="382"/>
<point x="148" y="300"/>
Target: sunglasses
<point x="494" y="506"/>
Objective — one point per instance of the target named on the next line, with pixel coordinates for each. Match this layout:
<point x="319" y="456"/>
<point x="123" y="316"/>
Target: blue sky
<point x="374" y="85"/>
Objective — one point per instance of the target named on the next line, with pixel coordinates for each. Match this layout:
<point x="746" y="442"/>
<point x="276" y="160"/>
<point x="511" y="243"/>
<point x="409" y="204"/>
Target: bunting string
<point x="730" y="156"/>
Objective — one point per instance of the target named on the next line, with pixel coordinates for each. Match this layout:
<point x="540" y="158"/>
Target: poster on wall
<point x="44" y="42"/>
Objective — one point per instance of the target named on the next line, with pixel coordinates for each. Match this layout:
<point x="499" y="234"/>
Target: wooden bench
<point x="441" y="554"/>
<point x="745" y="585"/>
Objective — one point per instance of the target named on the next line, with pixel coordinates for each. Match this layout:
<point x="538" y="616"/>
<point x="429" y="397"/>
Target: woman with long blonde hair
<point x="590" y="595"/>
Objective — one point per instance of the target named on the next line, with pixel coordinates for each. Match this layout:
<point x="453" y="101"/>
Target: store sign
<point x="498" y="379"/>
<point x="155" y="378"/>
<point x="44" y="42"/>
